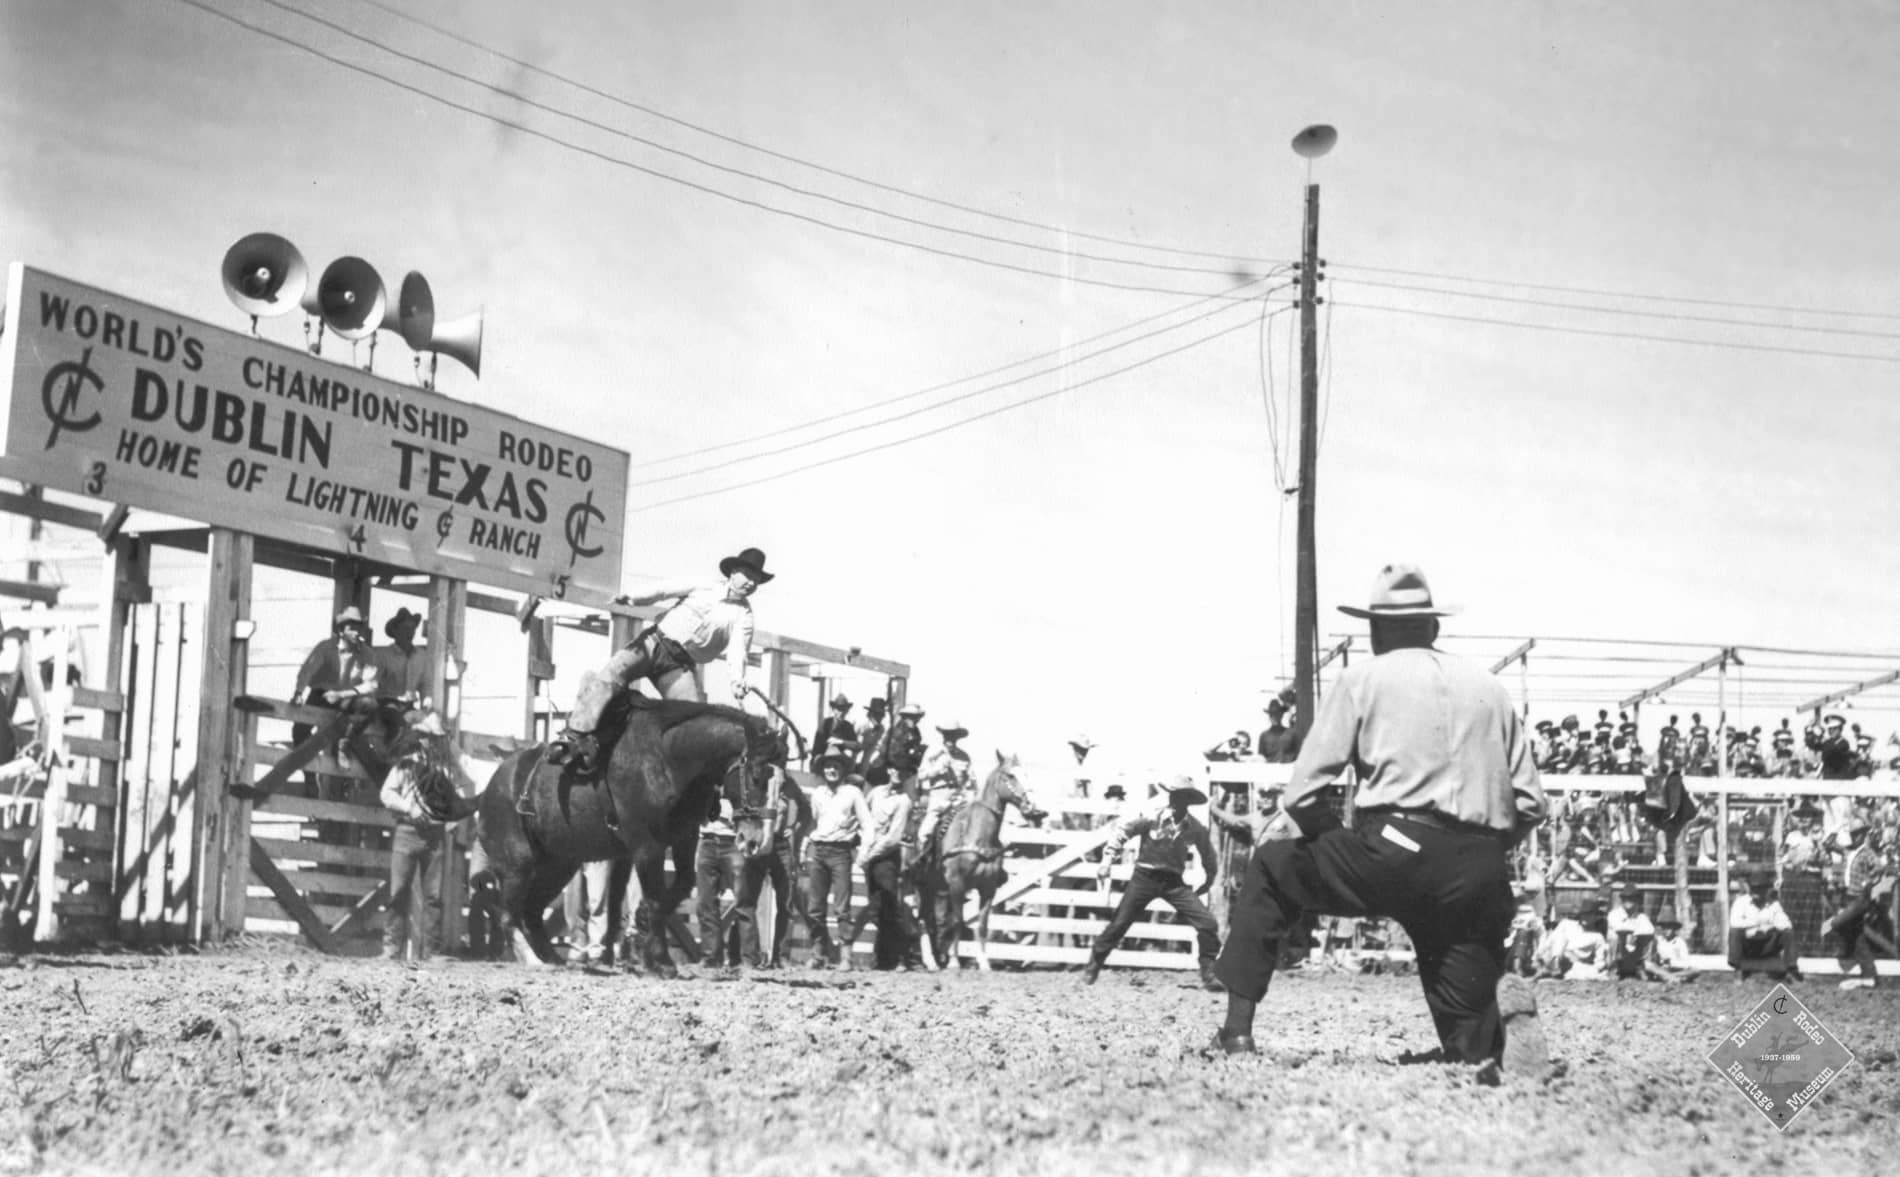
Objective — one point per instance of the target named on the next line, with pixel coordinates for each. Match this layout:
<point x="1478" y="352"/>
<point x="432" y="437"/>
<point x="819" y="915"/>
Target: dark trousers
<point x="827" y="892"/>
<point x="415" y="903"/>
<point x="1452" y="895"/>
<point x="753" y="874"/>
<point x="1763" y="952"/>
<point x="1146" y="886"/>
<point x="717" y="867"/>
<point x="1851" y="927"/>
<point x="885" y="904"/>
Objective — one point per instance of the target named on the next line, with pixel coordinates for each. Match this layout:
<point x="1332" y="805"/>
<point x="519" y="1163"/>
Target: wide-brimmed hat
<point x="1399" y="591"/>
<point x="832" y="756"/>
<point x="1082" y="741"/>
<point x="1183" y="787"/>
<point x="953" y="727"/>
<point x="1275" y="707"/>
<point x="877" y="706"/>
<point x="1114" y="791"/>
<point x="349" y="616"/>
<point x="428" y="723"/>
<point x="751" y="559"/>
<point x="841" y="702"/>
<point x="1858" y="825"/>
<point x="403" y="619"/>
<point x="1666" y="918"/>
<point x="912" y="710"/>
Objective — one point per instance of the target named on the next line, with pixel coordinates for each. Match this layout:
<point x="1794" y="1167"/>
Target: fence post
<point x="227" y="601"/>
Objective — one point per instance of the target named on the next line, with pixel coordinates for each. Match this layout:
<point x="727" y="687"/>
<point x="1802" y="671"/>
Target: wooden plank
<point x="75" y="795"/>
<point x="284" y="765"/>
<point x="30" y="590"/>
<point x="1047" y="954"/>
<point x="94" y="906"/>
<point x="86" y="872"/>
<point x="271" y="756"/>
<point x="74" y="838"/>
<point x="362" y="815"/>
<point x="317" y="882"/>
<point x="96" y="700"/>
<point x="288" y="898"/>
<point x="257" y="908"/>
<point x="268" y="708"/>
<point x="96" y="749"/>
<point x="320" y="852"/>
<point x="34" y="507"/>
<point x="355" y="919"/>
<point x="1074" y="927"/>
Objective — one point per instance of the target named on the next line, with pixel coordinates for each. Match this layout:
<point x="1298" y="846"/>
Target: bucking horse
<point x="969" y="857"/>
<point x="539" y="822"/>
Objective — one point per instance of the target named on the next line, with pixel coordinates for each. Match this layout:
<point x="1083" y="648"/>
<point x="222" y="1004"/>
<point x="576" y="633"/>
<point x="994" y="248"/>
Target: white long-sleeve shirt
<point x="707" y="624"/>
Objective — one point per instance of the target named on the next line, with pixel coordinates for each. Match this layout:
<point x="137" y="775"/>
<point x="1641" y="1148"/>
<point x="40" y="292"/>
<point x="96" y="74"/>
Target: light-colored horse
<point x="971" y="859"/>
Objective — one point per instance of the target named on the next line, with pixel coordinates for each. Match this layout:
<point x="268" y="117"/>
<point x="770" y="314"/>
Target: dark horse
<point x="540" y="822"/>
<point x="970" y="859"/>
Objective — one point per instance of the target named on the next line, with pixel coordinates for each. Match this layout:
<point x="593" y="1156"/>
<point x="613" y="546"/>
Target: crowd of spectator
<point x="1828" y="750"/>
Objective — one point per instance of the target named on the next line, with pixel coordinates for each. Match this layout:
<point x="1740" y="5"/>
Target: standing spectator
<point x="428" y="789"/>
<point x="716" y="869"/>
<point x="1166" y="836"/>
<point x="881" y="860"/>
<point x="1527" y="933"/>
<point x="1700" y="754"/>
<point x="835" y="731"/>
<point x="704" y="623"/>
<point x="1839" y="761"/>
<point x="839" y="819"/>
<point x="904" y="750"/>
<point x="1669" y="747"/>
<point x="871" y="735"/>
<point x="1866" y="880"/>
<point x="1081" y="784"/>
<point x="784" y="830"/>
<point x="1278" y="743"/>
<point x="402" y="667"/>
<point x="1446" y="788"/>
<point x="1238" y="746"/>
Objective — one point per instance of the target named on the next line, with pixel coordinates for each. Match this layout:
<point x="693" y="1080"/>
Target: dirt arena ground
<point x="269" y="1059"/>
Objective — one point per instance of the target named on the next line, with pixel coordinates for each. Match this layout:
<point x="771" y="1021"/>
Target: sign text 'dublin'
<point x="122" y="401"/>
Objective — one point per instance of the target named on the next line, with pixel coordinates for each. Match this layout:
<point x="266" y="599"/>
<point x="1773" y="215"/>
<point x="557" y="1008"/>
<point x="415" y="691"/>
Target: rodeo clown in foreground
<point x="1446" y="787"/>
<point x="708" y="621"/>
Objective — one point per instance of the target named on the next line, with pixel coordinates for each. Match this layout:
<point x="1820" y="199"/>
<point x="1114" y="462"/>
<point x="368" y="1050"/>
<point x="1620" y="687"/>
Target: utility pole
<point x="1311" y="143"/>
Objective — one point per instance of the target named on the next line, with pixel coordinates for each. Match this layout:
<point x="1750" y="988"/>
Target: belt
<point x="719" y="838"/>
<point x="1427" y="817"/>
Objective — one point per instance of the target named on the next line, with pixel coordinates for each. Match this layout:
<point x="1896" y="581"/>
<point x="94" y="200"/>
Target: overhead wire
<point x="1627" y="311"/>
<point x="957" y="424"/>
<point x="655" y="173"/>
<point x="1726" y="344"/>
<point x="654" y="144"/>
<point x="1629" y="294"/>
<point x="1017" y="363"/>
<point x="1055" y="369"/>
<point x="800" y="161"/>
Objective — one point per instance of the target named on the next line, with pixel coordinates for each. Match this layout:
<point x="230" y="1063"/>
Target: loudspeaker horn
<point x="415" y="311"/>
<point x="460" y="339"/>
<point x="264" y="275"/>
<point x="350" y="298"/>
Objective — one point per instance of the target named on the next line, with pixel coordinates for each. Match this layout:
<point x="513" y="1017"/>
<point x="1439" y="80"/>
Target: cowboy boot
<point x="1209" y="981"/>
<point x="577" y="745"/>
<point x="1092" y="971"/>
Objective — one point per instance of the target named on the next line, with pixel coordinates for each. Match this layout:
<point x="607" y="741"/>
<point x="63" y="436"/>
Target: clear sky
<point x="1115" y="556"/>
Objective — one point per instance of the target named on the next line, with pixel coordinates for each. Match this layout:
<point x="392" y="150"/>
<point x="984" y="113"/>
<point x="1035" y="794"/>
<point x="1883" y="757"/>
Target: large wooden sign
<point x="127" y="402"/>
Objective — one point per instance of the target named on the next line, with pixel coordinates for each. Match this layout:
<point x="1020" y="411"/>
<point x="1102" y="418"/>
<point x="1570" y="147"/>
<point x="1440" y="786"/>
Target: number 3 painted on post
<point x="95" y="479"/>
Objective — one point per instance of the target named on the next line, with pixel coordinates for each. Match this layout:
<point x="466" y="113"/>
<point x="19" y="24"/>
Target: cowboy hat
<point x="403" y="618"/>
<point x="877" y="705"/>
<point x="1399" y="591"/>
<point x="913" y="710"/>
<point x="349" y="616"/>
<point x="1082" y="741"/>
<point x="832" y="756"/>
<point x="751" y="559"/>
<point x="953" y="728"/>
<point x="1183" y="788"/>
<point x="1666" y="918"/>
<point x="841" y="702"/>
<point x="428" y="723"/>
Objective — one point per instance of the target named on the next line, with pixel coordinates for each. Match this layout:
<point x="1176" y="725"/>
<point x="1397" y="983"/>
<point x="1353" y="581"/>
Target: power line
<point x="1710" y="302"/>
<point x="1576" y="306"/>
<point x="801" y="161"/>
<point x="756" y="177"/>
<point x="513" y="125"/>
<point x="909" y="413"/>
<point x="1718" y="343"/>
<point x="852" y="412"/>
<point x="958" y="424"/>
